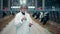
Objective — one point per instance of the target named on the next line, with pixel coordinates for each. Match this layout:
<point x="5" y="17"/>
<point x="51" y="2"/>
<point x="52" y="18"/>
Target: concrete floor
<point x="35" y="29"/>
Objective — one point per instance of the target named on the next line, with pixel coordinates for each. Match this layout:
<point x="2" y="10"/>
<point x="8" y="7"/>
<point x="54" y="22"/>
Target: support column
<point x="1" y="4"/>
<point x="35" y="4"/>
<point x="43" y="4"/>
<point x="9" y="4"/>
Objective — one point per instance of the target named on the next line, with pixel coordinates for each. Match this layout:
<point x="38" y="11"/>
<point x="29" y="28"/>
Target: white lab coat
<point x="22" y="27"/>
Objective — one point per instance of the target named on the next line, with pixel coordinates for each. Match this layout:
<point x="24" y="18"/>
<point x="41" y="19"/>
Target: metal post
<point x="1" y="4"/>
<point x="10" y="7"/>
<point x="9" y="4"/>
<point x="12" y="2"/>
<point x="36" y="4"/>
<point x="43" y="4"/>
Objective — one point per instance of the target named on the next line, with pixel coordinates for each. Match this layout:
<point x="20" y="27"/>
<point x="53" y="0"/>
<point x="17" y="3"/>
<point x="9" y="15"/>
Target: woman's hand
<point x="30" y="24"/>
<point x="24" y="18"/>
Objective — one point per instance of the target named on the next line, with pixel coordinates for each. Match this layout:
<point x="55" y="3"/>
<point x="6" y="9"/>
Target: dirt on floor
<point x="50" y="25"/>
<point x="4" y="21"/>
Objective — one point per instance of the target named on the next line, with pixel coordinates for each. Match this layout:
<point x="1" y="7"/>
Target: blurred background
<point x="11" y="7"/>
<point x="8" y="7"/>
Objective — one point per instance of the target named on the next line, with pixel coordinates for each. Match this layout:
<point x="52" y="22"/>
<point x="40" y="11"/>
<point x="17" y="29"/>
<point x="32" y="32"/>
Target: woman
<point x="23" y="21"/>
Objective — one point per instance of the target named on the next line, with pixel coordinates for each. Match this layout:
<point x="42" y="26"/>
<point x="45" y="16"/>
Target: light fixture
<point x="22" y="2"/>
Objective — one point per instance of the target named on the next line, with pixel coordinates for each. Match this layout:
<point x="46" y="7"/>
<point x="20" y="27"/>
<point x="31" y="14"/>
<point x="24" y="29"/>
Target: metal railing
<point x="54" y="16"/>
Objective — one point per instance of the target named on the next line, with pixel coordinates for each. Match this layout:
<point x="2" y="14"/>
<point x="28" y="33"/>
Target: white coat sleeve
<point x="17" y="20"/>
<point x="30" y="19"/>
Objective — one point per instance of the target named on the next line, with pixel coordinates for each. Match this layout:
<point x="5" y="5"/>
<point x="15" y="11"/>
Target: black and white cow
<point x="45" y="18"/>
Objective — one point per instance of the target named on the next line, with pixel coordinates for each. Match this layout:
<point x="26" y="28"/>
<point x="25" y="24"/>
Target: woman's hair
<point x="24" y="6"/>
